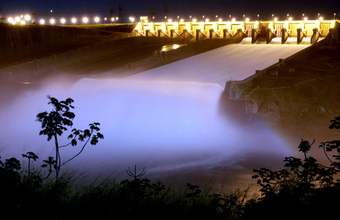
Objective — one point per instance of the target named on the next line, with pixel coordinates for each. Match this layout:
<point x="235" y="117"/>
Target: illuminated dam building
<point x="289" y="31"/>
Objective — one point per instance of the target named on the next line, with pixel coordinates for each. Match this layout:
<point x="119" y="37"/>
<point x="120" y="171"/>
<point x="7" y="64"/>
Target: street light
<point x="52" y="21"/>
<point x="85" y="20"/>
<point x="97" y="19"/>
<point x="42" y="21"/>
<point x="63" y="20"/>
<point x="27" y="17"/>
<point x="74" y="20"/>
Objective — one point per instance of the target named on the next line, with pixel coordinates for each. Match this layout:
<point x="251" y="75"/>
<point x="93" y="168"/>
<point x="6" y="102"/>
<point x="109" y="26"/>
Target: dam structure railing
<point x="287" y="31"/>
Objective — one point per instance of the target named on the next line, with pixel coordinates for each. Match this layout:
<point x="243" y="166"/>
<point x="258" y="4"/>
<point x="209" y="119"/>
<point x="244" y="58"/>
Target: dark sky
<point x="183" y="8"/>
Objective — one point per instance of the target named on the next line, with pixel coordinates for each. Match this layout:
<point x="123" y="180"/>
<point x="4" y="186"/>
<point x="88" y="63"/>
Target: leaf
<point x="74" y="142"/>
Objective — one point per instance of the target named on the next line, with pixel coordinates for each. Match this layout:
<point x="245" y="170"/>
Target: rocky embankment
<point x="301" y="92"/>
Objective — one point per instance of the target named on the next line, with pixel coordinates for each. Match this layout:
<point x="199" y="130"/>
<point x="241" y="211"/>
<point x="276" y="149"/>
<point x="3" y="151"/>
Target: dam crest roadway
<point x="287" y="31"/>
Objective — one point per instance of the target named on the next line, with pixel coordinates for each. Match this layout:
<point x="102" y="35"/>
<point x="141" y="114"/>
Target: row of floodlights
<point x="194" y="20"/>
<point x="25" y="19"/>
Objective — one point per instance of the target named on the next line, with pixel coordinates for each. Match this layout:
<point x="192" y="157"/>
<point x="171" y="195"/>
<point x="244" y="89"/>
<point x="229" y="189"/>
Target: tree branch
<point x="79" y="151"/>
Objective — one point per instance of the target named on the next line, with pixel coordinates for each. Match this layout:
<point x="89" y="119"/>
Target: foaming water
<point x="160" y="125"/>
<point x="168" y="126"/>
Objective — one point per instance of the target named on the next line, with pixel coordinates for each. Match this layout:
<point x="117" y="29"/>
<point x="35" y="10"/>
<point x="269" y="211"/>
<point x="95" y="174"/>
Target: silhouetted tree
<point x="58" y="120"/>
<point x="30" y="156"/>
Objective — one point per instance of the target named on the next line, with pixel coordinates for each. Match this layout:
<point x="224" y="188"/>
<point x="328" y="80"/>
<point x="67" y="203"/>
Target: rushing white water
<point x="166" y="119"/>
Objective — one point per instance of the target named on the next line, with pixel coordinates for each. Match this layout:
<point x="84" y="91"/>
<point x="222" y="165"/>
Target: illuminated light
<point x="176" y="25"/>
<point x="201" y="26"/>
<point x="112" y="19"/>
<point x="290" y="19"/>
<point x="10" y="19"/>
<point x="321" y="18"/>
<point x="194" y="20"/>
<point x="138" y="26"/>
<point x="214" y="27"/>
<point x="63" y="20"/>
<point x="132" y="19"/>
<point x="13" y="22"/>
<point x="275" y="19"/>
<point x="220" y="20"/>
<point x="85" y="20"/>
<point x="233" y="20"/>
<point x="286" y="25"/>
<point x="163" y="28"/>
<point x="175" y="46"/>
<point x="52" y="21"/>
<point x="207" y="20"/>
<point x="302" y="26"/>
<point x="271" y="25"/>
<point x="97" y="19"/>
<point x="169" y="21"/>
<point x="17" y="19"/>
<point x="317" y="24"/>
<point x="74" y="20"/>
<point x="187" y="27"/>
<point x="22" y="22"/>
<point x="27" y="17"/>
<point x="42" y="21"/>
<point x="247" y="19"/>
<point x="332" y="24"/>
<point x="305" y="19"/>
<point x="182" y="20"/>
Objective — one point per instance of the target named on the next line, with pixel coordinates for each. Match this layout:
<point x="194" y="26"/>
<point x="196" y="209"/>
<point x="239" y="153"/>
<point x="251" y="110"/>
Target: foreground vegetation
<point x="303" y="189"/>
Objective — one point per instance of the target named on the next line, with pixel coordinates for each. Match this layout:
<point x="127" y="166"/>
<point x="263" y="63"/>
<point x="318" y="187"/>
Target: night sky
<point x="182" y="8"/>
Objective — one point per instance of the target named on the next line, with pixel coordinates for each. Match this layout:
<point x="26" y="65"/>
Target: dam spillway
<point x="231" y="62"/>
<point x="165" y="119"/>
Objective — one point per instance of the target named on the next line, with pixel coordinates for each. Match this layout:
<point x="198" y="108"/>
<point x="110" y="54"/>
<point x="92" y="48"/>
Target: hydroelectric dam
<point x="157" y="99"/>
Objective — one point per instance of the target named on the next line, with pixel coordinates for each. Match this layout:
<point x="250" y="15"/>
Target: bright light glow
<point x="321" y="18"/>
<point x="233" y="20"/>
<point x="132" y="19"/>
<point x="97" y="19"/>
<point x="138" y="27"/>
<point x="169" y="21"/>
<point x="112" y="19"/>
<point x="85" y="20"/>
<point x="194" y="20"/>
<point x="42" y="21"/>
<point x="275" y="19"/>
<point x="290" y="19"/>
<point x="52" y="21"/>
<point x="10" y="19"/>
<point x="182" y="20"/>
<point x="17" y="19"/>
<point x="286" y="25"/>
<point x="247" y="19"/>
<point x="332" y="24"/>
<point x="74" y="20"/>
<point x="22" y="22"/>
<point x="317" y="24"/>
<point x="27" y="17"/>
<point x="207" y="20"/>
<point x="201" y="26"/>
<point x="271" y="25"/>
<point x="63" y="20"/>
<point x="220" y="20"/>
<point x="214" y="26"/>
<point x="302" y="26"/>
<point x="305" y="19"/>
